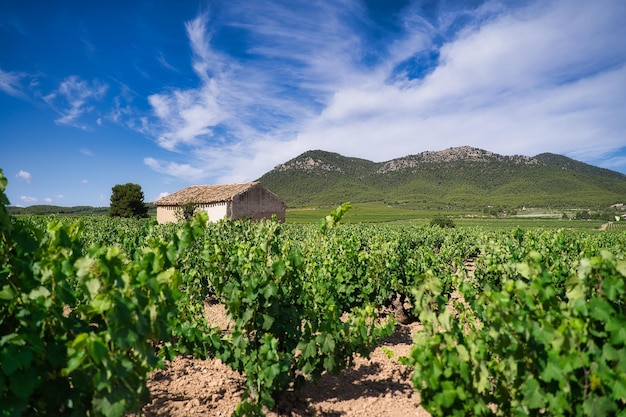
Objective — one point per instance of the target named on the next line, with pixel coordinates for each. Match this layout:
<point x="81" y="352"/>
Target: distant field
<point x="528" y="223"/>
<point x="362" y="212"/>
<point x="381" y="213"/>
<point x="617" y="226"/>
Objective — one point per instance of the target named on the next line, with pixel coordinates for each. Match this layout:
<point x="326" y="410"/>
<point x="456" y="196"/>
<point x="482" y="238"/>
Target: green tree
<point x="442" y="221"/>
<point x="127" y="201"/>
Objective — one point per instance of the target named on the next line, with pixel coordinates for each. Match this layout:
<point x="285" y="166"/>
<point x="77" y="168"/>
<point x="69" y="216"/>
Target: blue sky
<point x="167" y="94"/>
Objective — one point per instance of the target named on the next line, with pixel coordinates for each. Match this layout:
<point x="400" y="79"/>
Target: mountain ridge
<point x="458" y="177"/>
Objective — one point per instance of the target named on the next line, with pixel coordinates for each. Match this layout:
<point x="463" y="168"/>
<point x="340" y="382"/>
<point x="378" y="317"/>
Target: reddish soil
<point x="378" y="386"/>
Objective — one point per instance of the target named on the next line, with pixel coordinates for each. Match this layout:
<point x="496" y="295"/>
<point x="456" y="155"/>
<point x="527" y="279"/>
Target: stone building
<point x="232" y="201"/>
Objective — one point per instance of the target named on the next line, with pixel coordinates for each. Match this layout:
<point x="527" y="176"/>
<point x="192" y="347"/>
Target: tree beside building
<point x="127" y="201"/>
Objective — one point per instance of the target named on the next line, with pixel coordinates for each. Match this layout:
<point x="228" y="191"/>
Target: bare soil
<point x="375" y="386"/>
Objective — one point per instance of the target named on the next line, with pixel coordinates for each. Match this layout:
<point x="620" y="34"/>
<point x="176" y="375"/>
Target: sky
<point x="167" y="94"/>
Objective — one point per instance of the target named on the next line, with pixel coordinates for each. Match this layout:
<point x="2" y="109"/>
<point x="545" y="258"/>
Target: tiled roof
<point x="204" y="194"/>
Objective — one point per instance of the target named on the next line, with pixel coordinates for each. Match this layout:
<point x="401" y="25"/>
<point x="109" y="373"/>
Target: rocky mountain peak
<point x="460" y="153"/>
<point x="307" y="163"/>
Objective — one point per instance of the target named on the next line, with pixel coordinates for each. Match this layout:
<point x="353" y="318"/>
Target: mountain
<point x="461" y="178"/>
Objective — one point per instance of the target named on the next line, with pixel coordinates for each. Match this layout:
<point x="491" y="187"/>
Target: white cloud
<point x="187" y="116"/>
<point x="529" y="81"/>
<point x="86" y="151"/>
<point x="84" y="181"/>
<point x="48" y="200"/>
<point x="404" y="121"/>
<point x="200" y="45"/>
<point x="184" y="171"/>
<point x="25" y="175"/>
<point x="539" y="77"/>
<point x="27" y="199"/>
<point x="238" y="103"/>
<point x="74" y="98"/>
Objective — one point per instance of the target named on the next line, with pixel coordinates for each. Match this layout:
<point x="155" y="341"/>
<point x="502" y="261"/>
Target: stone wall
<point x="257" y="203"/>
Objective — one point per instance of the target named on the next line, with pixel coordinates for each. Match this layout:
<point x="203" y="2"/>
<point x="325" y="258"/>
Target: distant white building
<point x="232" y="201"/>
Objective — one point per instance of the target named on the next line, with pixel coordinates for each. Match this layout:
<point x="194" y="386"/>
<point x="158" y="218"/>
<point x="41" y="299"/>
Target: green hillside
<point x="456" y="178"/>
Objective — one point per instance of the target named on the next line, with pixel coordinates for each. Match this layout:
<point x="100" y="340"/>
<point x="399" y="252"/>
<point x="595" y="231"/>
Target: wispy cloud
<point x="176" y="170"/>
<point x="525" y="80"/>
<point x="25" y="175"/>
<point x="161" y="59"/>
<point x="73" y="98"/>
<point x="11" y="83"/>
<point x="239" y="101"/>
<point x="187" y="117"/>
<point x="615" y="162"/>
<point x="124" y="111"/>
<point x="538" y="77"/>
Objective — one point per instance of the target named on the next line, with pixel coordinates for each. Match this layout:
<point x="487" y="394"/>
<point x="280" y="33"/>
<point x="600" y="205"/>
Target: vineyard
<point x="90" y="308"/>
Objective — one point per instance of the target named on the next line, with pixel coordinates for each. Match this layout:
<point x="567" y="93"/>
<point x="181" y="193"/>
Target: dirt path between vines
<point x="378" y="386"/>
